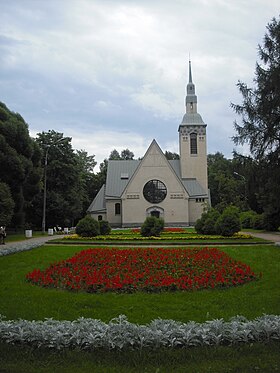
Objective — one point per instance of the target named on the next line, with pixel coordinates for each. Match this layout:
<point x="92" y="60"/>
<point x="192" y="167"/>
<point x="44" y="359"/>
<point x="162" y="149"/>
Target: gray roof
<point x="120" y="172"/>
<point x="192" y="118"/>
<point x="98" y="204"/>
<point x="118" y="175"/>
<point x="192" y="186"/>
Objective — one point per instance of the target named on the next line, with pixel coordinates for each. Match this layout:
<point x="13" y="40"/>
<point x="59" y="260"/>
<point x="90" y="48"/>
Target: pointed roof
<point x="191" y="117"/>
<point x="154" y="143"/>
<point x="190" y="72"/>
<point x="98" y="204"/>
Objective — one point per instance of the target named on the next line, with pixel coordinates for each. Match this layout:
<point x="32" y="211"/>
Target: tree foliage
<point x="68" y="175"/>
<point x="6" y="204"/>
<point x="169" y="155"/>
<point x="226" y="182"/>
<point x="260" y="126"/>
<point x="20" y="159"/>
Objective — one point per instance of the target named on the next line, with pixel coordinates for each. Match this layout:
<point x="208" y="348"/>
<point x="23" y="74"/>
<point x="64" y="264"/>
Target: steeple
<point x="191" y="99"/>
<point x="190" y="72"/>
<point x="192" y="139"/>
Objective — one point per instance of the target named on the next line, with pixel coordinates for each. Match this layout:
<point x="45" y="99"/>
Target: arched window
<point x="117" y="208"/>
<point x="99" y="217"/>
<point x="193" y="143"/>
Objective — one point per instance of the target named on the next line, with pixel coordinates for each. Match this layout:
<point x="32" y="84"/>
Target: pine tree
<point x="260" y="127"/>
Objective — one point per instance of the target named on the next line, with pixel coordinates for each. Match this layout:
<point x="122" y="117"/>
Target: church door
<point x="155" y="213"/>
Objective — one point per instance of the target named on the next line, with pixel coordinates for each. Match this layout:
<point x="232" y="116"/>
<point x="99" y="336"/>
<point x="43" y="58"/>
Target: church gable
<point x="154" y="166"/>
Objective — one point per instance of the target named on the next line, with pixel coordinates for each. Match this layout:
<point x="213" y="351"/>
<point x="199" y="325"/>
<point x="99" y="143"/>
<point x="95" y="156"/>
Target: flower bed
<point x="165" y="236"/>
<point x="170" y="229"/>
<point x="150" y="270"/>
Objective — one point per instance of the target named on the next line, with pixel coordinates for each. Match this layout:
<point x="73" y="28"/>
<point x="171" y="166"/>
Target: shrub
<point x="229" y="222"/>
<point x="88" y="227"/>
<point x="152" y="226"/>
<point x="271" y="221"/>
<point x="104" y="227"/>
<point x="247" y="218"/>
<point x="207" y="223"/>
<point x="258" y="221"/>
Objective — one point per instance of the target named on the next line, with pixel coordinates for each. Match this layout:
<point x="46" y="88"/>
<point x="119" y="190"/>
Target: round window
<point x="154" y="191"/>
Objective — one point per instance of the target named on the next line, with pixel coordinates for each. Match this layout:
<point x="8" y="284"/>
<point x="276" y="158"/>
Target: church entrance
<point x="155" y="213"/>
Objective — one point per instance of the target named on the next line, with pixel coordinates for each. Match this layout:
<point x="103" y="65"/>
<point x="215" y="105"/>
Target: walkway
<point x="270" y="236"/>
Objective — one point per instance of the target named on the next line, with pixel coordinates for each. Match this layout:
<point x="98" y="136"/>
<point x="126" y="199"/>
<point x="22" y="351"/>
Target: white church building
<point x="175" y="190"/>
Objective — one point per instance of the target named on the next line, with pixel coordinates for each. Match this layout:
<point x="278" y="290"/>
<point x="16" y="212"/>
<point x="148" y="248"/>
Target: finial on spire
<point x="190" y="70"/>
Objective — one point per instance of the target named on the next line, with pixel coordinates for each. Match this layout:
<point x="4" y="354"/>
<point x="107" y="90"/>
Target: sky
<point x="112" y="74"/>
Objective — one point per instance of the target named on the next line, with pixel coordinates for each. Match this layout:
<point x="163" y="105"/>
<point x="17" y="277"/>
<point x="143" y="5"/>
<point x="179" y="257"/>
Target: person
<point x="2" y="235"/>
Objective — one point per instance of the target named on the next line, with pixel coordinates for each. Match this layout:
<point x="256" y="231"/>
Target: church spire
<point x="190" y="72"/>
<point x="191" y="99"/>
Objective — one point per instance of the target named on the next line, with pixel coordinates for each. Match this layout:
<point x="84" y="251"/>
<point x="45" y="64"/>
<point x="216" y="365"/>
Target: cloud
<point x="112" y="74"/>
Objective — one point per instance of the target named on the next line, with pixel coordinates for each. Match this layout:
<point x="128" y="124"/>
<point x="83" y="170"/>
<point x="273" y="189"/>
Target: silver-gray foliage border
<point x="18" y="247"/>
<point x="119" y="333"/>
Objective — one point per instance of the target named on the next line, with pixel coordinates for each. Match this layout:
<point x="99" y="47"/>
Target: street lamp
<point x="45" y="184"/>
<point x="244" y="179"/>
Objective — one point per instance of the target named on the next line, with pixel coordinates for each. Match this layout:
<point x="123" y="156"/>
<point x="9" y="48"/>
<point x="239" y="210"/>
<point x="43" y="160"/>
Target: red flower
<point x="128" y="270"/>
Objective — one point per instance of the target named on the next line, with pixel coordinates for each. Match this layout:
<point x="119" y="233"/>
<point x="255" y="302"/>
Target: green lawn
<point x="20" y="299"/>
<point x="239" y="359"/>
<point x="20" y="236"/>
<point x="250" y="300"/>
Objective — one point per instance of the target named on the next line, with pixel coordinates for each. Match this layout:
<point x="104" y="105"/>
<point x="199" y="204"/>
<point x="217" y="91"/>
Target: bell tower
<point x="192" y="139"/>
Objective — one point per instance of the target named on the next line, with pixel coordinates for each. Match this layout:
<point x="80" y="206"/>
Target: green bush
<point x="207" y="223"/>
<point x="152" y="226"/>
<point x="88" y="227"/>
<point x="247" y="218"/>
<point x="229" y="222"/>
<point x="104" y="227"/>
<point x="258" y="221"/>
<point x="271" y="220"/>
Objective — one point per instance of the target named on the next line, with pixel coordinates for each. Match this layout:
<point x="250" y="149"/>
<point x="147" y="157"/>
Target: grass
<point x="20" y="236"/>
<point x="250" y="300"/>
<point x="20" y="299"/>
<point x="238" y="359"/>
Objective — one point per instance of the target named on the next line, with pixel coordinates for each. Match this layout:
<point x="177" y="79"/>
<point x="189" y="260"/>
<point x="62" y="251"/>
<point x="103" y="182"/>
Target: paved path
<point x="271" y="236"/>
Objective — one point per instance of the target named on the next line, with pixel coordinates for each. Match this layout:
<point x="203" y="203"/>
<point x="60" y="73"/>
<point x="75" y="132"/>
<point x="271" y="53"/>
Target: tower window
<point x="193" y="143"/>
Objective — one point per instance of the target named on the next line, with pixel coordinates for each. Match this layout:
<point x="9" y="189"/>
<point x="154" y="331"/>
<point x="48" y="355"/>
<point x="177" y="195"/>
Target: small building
<point x="175" y="190"/>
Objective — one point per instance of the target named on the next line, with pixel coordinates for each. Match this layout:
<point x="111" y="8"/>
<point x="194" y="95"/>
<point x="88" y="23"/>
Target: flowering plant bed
<point x="167" y="229"/>
<point x="150" y="270"/>
<point x="131" y="235"/>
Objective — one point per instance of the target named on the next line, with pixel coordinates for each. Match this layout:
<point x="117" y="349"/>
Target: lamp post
<point x="45" y="185"/>
<point x="244" y="179"/>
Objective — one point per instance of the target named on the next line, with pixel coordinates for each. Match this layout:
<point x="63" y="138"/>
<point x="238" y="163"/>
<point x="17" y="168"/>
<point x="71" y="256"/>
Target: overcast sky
<point x="113" y="73"/>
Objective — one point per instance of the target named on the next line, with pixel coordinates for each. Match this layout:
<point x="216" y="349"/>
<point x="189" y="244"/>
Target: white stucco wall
<point x="114" y="220"/>
<point x="155" y="166"/>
